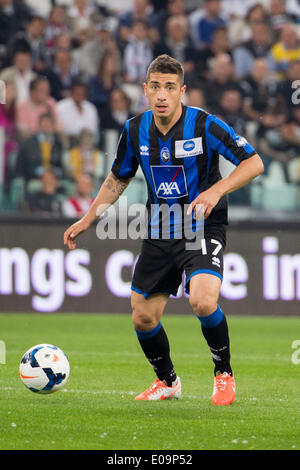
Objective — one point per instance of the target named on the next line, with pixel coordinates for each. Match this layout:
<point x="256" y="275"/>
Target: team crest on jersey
<point x="165" y="154"/>
<point x="169" y="181"/>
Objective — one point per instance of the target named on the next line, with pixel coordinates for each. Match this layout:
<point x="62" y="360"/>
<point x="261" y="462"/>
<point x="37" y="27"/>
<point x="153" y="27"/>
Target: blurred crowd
<point x="73" y="69"/>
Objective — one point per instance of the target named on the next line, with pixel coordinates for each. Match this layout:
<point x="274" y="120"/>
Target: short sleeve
<point x="222" y="138"/>
<point x="125" y="164"/>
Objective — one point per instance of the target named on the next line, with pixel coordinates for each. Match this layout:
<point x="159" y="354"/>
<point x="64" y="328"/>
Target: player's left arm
<point x="249" y="165"/>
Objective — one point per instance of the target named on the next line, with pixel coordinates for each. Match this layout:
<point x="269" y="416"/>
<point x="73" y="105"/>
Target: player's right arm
<point x="123" y="170"/>
<point x="110" y="191"/>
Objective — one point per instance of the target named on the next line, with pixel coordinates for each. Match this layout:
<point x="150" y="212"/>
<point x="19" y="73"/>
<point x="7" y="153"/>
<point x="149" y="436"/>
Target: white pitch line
<point x="106" y="392"/>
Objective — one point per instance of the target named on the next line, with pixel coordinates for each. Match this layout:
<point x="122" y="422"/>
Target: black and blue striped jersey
<point x="183" y="163"/>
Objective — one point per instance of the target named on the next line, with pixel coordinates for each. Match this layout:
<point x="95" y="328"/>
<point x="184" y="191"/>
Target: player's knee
<point x="142" y="319"/>
<point x="203" y="305"/>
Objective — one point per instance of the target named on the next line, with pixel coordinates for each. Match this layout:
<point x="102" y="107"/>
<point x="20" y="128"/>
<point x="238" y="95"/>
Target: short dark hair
<point x="36" y="18"/>
<point x="166" y="64"/>
<point x="35" y="82"/>
<point x="78" y="83"/>
<point x="47" y="116"/>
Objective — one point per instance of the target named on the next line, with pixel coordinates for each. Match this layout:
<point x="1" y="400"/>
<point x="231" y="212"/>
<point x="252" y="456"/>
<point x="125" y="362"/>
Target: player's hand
<point x="73" y="231"/>
<point x="203" y="204"/>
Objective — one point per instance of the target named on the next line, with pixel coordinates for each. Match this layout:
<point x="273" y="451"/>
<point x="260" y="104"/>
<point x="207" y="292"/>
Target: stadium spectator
<point x="82" y="13"/>
<point x="221" y="77"/>
<point x="108" y="78"/>
<point x="271" y="143"/>
<point x="138" y="53"/>
<point x="77" y="205"/>
<point x="159" y="4"/>
<point x="62" y="41"/>
<point x="279" y="16"/>
<point x="8" y="123"/>
<point x="117" y="112"/>
<point x="160" y="18"/>
<point x="260" y="88"/>
<point x="76" y="113"/>
<point x="40" y="151"/>
<point x="39" y="102"/>
<point x="230" y="110"/>
<point x="61" y="75"/>
<point x="141" y="10"/>
<point x="290" y="132"/>
<point x="286" y="88"/>
<point x="287" y="49"/>
<point x="219" y="45"/>
<point x="177" y="43"/>
<point x="83" y="36"/>
<point x="46" y="201"/>
<point x="84" y="157"/>
<point x="14" y="16"/>
<point x="258" y="46"/>
<point x="55" y="26"/>
<point x="31" y="40"/>
<point x="91" y="52"/>
<point x="232" y="9"/>
<point x="240" y="28"/>
<point x="195" y="97"/>
<point x="20" y="73"/>
<point x="207" y="24"/>
<point x="35" y="31"/>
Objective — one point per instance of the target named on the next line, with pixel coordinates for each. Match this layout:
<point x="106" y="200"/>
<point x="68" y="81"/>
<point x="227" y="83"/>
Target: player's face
<point x="164" y="92"/>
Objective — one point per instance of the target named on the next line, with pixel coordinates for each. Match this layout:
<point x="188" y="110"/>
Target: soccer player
<point x="178" y="150"/>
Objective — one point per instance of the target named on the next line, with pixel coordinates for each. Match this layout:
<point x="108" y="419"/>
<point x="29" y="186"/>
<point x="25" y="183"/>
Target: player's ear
<point x="183" y="89"/>
<point x="145" y="88"/>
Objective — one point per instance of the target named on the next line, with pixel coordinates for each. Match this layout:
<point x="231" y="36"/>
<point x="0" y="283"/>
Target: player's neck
<point x="164" y="124"/>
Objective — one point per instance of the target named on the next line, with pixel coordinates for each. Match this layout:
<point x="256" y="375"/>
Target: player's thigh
<point x="146" y="312"/>
<point x="204" y="293"/>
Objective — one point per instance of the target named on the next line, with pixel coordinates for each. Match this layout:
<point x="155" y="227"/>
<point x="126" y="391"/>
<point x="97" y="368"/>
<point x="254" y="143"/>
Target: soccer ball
<point x="44" y="368"/>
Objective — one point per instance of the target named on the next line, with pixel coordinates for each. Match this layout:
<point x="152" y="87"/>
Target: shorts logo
<point x="165" y="154"/>
<point x="216" y="261"/>
<point x="169" y="181"/>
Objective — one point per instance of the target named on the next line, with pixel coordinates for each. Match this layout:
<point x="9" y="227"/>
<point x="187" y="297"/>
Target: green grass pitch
<point x="96" y="409"/>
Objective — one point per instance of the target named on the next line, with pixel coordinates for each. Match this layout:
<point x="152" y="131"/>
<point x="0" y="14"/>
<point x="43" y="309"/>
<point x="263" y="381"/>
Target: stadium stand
<point x="73" y="70"/>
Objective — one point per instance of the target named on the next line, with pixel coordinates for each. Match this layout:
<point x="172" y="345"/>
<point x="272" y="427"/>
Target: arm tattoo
<point x="115" y="185"/>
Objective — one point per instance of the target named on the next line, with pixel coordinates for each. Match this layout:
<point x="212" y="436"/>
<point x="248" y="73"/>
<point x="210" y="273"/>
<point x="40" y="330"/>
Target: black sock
<point x="217" y="338"/>
<point x="155" y="345"/>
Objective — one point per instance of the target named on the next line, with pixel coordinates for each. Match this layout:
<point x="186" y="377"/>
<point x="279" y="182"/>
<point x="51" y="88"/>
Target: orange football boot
<point x="160" y="391"/>
<point x="224" y="389"/>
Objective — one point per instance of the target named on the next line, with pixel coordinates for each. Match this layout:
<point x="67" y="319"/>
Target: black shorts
<point x="161" y="263"/>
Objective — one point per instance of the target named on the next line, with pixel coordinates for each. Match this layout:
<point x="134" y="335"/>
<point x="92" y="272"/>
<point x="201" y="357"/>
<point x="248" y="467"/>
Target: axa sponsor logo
<point x="169" y="181"/>
<point x="168" y="189"/>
